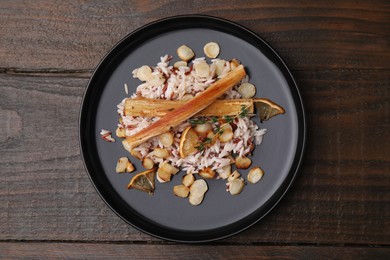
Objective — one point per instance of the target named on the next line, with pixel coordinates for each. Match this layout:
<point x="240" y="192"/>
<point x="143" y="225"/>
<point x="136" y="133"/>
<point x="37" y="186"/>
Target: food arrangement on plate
<point x="193" y="116"/>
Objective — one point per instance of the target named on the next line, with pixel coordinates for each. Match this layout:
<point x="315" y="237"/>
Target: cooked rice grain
<point x="177" y="83"/>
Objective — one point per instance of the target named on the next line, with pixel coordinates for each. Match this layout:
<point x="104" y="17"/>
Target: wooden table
<point x="338" y="207"/>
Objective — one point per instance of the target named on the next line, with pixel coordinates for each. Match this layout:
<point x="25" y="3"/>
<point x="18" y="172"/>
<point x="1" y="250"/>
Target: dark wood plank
<point x="340" y="196"/>
<point x="11" y="250"/>
<point x="67" y="35"/>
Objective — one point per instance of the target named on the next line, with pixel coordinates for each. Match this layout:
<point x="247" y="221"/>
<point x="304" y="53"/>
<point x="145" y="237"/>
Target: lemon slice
<point x="143" y="181"/>
<point x="188" y="142"/>
<point x="267" y="108"/>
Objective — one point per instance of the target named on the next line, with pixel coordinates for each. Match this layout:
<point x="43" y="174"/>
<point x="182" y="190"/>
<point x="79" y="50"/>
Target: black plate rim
<point x="217" y="234"/>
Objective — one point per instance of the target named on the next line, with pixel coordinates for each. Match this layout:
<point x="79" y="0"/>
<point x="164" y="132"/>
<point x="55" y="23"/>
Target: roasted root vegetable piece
<point x="187" y="96"/>
<point x="225" y="107"/>
<point x="160" y="107"/>
<point x="255" y="174"/>
<point x="190" y="108"/>
<point x="181" y="191"/>
<point x="197" y="191"/>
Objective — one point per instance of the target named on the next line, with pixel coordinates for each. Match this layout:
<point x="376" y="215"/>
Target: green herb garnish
<point x="228" y="119"/>
<point x="197" y="121"/>
<point x="202" y="145"/>
<point x="243" y="112"/>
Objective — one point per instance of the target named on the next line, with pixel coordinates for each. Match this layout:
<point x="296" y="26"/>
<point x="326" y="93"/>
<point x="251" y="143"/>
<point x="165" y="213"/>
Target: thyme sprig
<point x="214" y="119"/>
<point x="201" y="145"/>
<point x="243" y="112"/>
<point x="217" y="127"/>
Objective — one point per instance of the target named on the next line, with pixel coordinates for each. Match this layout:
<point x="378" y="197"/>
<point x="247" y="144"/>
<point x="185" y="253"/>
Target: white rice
<point x="177" y="83"/>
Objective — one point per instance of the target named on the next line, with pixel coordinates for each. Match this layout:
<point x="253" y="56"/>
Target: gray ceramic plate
<point x="162" y="214"/>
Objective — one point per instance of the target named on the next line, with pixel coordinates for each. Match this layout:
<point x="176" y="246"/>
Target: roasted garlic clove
<point x="185" y="53"/>
<point x="255" y="175"/>
<point x="235" y="175"/>
<point x="227" y="133"/>
<point x="155" y="80"/>
<point x="163" y="176"/>
<point x="166" y="139"/>
<point x="197" y="191"/>
<point x="243" y="162"/>
<point x="224" y="172"/>
<point x="188" y="180"/>
<point x="121" y="164"/>
<point x="120" y="132"/>
<point x="179" y="64"/>
<point x="236" y="186"/>
<point x="247" y="90"/>
<point x="144" y="73"/>
<point x="202" y="69"/>
<point x="130" y="167"/>
<point x="211" y="49"/>
<point x="181" y="191"/>
<point x="168" y="168"/>
<point x="234" y="63"/>
<point x="161" y="153"/>
<point x="203" y="129"/>
<point x="220" y="67"/>
<point x="147" y="163"/>
<point x="207" y="173"/>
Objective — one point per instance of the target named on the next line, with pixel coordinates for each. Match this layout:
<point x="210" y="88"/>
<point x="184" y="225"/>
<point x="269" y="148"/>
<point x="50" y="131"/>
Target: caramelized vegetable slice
<point x="190" y="108"/>
<point x="160" y="107"/>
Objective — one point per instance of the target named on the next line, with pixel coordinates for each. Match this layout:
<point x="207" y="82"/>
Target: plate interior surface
<point x="220" y="214"/>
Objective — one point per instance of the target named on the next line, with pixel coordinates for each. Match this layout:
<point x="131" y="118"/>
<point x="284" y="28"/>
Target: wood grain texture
<point x="341" y="194"/>
<point x="339" y="205"/>
<point x="179" y="252"/>
<point x="68" y="35"/>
